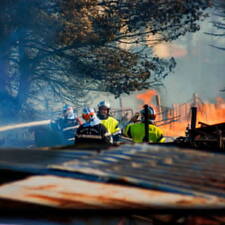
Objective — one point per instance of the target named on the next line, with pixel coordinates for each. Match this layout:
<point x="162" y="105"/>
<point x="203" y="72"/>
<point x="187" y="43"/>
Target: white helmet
<point x="104" y="104"/>
<point x="89" y="115"/>
<point x="68" y="112"/>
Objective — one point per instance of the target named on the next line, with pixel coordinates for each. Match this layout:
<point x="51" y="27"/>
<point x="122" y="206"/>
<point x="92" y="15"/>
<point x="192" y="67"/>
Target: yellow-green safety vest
<point x="111" y="124"/>
<point x="137" y="133"/>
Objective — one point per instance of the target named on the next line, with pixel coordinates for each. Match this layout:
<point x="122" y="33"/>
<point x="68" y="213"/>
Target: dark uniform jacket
<point x="96" y="134"/>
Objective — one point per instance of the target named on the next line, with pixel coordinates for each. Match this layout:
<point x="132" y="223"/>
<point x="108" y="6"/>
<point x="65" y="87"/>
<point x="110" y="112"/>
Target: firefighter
<point x="108" y="121"/>
<point x="92" y="131"/>
<point x="67" y="124"/>
<point x="137" y="131"/>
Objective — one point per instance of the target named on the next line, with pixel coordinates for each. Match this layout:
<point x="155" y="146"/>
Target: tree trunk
<point x="7" y="101"/>
<point x="24" y="81"/>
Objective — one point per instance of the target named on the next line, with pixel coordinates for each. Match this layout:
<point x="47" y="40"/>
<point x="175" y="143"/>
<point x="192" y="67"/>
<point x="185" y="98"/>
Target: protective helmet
<point x="68" y="112"/>
<point x="104" y="104"/>
<point x="88" y="114"/>
<point x="151" y="113"/>
<point x="65" y="107"/>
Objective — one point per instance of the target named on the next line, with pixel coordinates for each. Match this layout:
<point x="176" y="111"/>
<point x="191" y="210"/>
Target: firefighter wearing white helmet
<point x="104" y="104"/>
<point x="108" y="121"/>
<point x="92" y="131"/>
<point x="145" y="130"/>
<point x="67" y="124"/>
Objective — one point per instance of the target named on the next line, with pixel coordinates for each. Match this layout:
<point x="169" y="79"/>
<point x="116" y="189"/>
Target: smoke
<point x="167" y="50"/>
<point x="200" y="70"/>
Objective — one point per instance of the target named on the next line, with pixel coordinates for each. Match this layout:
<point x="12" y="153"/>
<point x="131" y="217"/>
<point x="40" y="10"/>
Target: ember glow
<point x="174" y="121"/>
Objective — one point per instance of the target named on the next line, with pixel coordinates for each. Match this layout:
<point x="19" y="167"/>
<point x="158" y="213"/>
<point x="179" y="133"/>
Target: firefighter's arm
<point x="134" y="119"/>
<point x="126" y="130"/>
<point x="116" y="129"/>
<point x="79" y="121"/>
<point x="161" y="139"/>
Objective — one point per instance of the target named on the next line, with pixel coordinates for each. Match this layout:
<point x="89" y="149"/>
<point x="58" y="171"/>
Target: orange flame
<point x="175" y="121"/>
<point x="147" y="96"/>
<point x="209" y="113"/>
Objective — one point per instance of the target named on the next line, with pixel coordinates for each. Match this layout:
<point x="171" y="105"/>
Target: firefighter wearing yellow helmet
<point x="108" y="121"/>
<point x="145" y="130"/>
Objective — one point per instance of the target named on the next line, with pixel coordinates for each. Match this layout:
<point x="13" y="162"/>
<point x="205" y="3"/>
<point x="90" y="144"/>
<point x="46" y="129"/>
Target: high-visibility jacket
<point x="111" y="124"/>
<point x="136" y="131"/>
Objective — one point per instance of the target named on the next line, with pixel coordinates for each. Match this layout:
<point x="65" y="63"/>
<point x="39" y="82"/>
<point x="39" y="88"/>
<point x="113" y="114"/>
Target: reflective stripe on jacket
<point x="136" y="131"/>
<point x="111" y="124"/>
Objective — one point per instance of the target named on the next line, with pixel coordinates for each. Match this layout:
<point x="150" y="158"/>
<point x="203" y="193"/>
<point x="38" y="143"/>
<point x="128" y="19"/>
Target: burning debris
<point x="208" y="113"/>
<point x="175" y="121"/>
<point x="204" y="137"/>
<point x="195" y="124"/>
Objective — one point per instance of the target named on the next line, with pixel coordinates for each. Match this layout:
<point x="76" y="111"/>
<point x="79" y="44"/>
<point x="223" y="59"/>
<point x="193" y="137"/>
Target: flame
<point x="175" y="121"/>
<point x="212" y="113"/>
<point x="209" y="113"/>
<point x="147" y="96"/>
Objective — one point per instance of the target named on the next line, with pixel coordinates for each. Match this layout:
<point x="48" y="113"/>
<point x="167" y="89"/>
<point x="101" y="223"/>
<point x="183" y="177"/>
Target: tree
<point x="19" y="55"/>
<point x="111" y="24"/>
<point x="71" y="47"/>
<point x="30" y="62"/>
<point x="219" y="22"/>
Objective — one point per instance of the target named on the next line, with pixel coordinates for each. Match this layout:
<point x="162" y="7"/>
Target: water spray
<point x="23" y="125"/>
